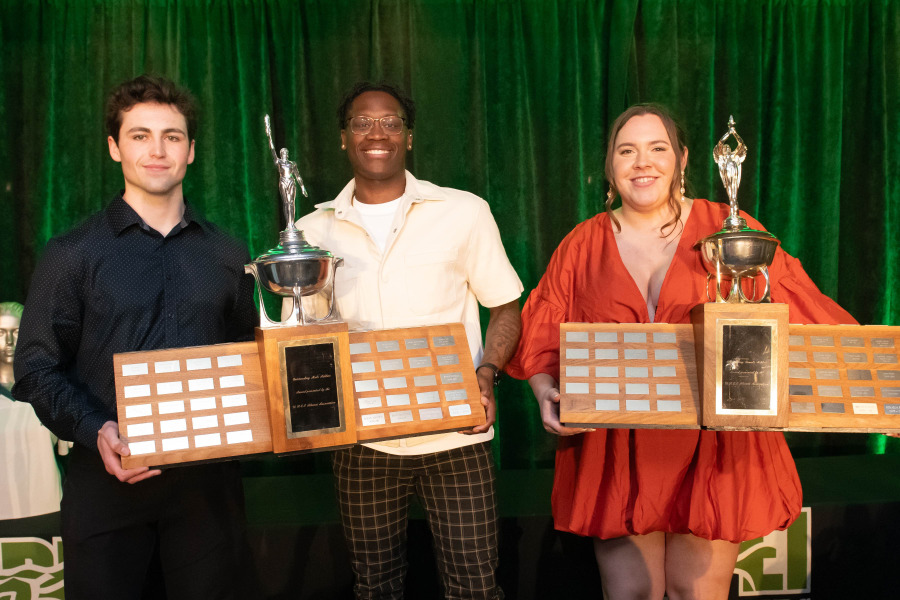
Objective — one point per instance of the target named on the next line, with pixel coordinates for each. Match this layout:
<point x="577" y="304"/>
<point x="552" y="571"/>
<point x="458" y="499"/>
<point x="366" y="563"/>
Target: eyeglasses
<point x="391" y="124"/>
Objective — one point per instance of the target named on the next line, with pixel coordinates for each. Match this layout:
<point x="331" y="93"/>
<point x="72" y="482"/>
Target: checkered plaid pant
<point x="456" y="488"/>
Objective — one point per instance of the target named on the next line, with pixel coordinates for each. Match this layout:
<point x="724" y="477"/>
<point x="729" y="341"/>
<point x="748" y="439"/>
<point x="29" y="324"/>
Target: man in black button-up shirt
<point x="146" y="273"/>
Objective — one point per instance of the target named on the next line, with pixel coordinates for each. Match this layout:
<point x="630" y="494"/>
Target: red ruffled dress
<point x="609" y="483"/>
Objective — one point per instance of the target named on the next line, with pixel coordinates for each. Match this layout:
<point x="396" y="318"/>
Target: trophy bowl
<point x="294" y="269"/>
<point x="280" y="272"/>
<point x="741" y="253"/>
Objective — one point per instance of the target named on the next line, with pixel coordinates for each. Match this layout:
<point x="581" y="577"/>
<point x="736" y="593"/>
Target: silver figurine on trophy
<point x="294" y="268"/>
<point x="736" y="252"/>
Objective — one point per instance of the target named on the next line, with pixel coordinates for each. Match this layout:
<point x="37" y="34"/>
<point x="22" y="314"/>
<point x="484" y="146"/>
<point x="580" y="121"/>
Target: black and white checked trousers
<point x="456" y="488"/>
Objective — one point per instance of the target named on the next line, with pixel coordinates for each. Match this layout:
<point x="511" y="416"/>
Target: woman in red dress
<point x="667" y="508"/>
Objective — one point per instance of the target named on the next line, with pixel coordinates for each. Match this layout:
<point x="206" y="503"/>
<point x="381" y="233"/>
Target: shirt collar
<point x="413" y="194"/>
<point x="121" y="216"/>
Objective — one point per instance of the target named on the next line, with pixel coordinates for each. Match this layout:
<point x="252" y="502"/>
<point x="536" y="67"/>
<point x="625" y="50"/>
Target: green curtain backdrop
<point x="515" y="99"/>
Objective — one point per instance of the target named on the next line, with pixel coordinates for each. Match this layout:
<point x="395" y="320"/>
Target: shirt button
<point x="385" y="278"/>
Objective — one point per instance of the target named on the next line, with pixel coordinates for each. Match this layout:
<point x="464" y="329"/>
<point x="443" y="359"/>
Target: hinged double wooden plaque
<point x="737" y="366"/>
<point x="293" y="390"/>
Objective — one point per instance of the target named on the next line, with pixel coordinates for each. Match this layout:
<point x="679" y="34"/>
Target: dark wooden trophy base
<point x="742" y="365"/>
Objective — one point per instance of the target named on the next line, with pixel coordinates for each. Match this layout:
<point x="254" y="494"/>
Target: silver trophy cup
<point x="736" y="254"/>
<point x="294" y="268"/>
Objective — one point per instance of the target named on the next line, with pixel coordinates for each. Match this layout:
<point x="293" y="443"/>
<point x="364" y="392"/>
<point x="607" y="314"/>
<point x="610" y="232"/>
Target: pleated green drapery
<point x="515" y="99"/>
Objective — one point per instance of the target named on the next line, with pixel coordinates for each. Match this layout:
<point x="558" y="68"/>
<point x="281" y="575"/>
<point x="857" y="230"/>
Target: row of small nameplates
<point x="668" y="337"/>
<point x="174" y="366"/>
<point x="406" y="416"/>
<point x="858" y="408"/>
<point x="440" y="341"/>
<point x="846" y="341"/>
<point x="175" y="387"/>
<point x="206" y="440"/>
<point x="643" y="405"/>
<point x="395" y="383"/>
<point x="396" y="364"/>
<point x="799" y="356"/>
<point x="628" y="353"/>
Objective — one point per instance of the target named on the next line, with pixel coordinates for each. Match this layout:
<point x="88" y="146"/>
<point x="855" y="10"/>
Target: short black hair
<point x="149" y="88"/>
<point x="406" y="103"/>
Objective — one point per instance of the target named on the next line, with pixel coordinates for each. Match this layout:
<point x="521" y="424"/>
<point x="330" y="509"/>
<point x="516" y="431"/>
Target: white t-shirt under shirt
<point x="377" y="219"/>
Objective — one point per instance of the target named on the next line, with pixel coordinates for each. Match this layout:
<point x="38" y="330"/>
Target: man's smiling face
<point x="377" y="155"/>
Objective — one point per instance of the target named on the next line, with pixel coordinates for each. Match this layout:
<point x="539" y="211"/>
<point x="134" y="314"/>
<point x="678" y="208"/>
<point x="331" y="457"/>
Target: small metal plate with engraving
<point x="451" y="378"/>
<point x="424" y="380"/>
<point x="360" y="348"/>
<point x="577" y="336"/>
<point x="859" y="375"/>
<point x="363" y="367"/>
<point x="416" y="343"/>
<point x="393" y="383"/>
<point x="388" y="346"/>
<point x="443" y="341"/>
<point x="444" y="360"/>
<point x="606" y="404"/>
<point x="419" y="362"/>
<point x="827" y="374"/>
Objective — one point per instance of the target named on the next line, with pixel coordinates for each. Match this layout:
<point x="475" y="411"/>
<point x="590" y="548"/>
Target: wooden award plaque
<point x="296" y="389"/>
<point x="628" y="375"/>
<point x="191" y="404"/>
<point x="742" y="366"/>
<point x="844" y="378"/>
<point x="414" y="381"/>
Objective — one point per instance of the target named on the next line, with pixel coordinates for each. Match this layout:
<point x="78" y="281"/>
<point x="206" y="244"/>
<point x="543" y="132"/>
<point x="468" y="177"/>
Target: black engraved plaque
<point x="313" y="399"/>
<point x="746" y="367"/>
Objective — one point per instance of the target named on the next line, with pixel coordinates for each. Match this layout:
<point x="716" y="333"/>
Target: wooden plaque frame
<point x="414" y="381"/>
<point x="204" y="403"/>
<point x="191" y="404"/>
<point x="628" y="375"/>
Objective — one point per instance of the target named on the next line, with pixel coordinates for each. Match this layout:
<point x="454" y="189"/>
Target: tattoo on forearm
<point x="503" y="332"/>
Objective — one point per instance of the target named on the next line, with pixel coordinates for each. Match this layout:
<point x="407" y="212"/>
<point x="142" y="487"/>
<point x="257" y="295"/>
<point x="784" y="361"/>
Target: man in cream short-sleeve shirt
<point x="416" y="254"/>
